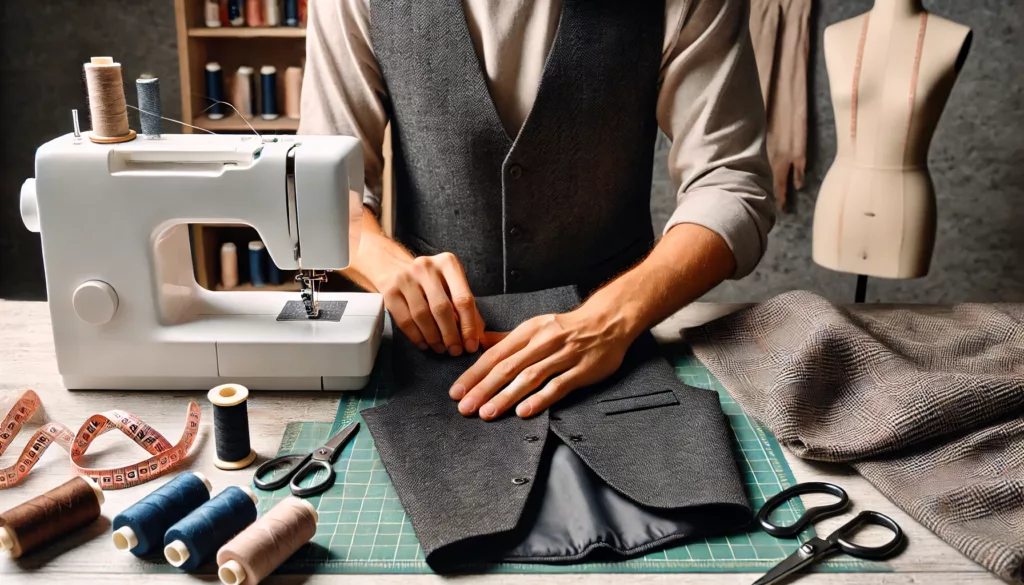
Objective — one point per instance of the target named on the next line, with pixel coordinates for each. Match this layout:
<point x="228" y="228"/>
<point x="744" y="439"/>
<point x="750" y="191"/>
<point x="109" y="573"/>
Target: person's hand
<point x="430" y="301"/>
<point x="541" y="361"/>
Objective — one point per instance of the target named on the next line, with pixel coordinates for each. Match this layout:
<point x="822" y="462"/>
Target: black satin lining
<point x="575" y="515"/>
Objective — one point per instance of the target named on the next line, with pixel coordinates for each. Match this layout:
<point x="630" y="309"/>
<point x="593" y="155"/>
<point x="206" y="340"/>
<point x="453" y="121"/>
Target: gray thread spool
<point x="149" y="107"/>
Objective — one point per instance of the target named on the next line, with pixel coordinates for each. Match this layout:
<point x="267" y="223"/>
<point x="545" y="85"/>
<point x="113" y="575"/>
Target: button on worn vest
<point x="567" y="200"/>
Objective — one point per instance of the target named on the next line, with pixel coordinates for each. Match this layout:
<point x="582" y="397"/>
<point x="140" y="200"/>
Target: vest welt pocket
<point x="611" y="406"/>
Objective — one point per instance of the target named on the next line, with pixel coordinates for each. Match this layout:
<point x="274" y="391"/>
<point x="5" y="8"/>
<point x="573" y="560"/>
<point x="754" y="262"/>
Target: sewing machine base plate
<point x="296" y="311"/>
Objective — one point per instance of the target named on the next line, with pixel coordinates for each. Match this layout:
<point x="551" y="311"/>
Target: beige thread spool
<point x="228" y="265"/>
<point x="292" y="92"/>
<point x="108" y="109"/>
<point x="257" y="551"/>
<point x="242" y="92"/>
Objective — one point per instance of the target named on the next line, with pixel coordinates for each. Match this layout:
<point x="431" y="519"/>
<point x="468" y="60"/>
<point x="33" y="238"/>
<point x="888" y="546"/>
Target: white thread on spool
<point x="108" y="109"/>
<point x="242" y="93"/>
<point x="176" y="553"/>
<point x="124" y="538"/>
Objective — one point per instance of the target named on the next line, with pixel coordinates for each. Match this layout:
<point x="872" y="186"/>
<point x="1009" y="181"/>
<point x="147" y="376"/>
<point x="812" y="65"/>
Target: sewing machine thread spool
<point x="150" y="110"/>
<point x="108" y="109"/>
<point x="244" y="92"/>
<point x="272" y="12"/>
<point x="273" y="272"/>
<point x="251" y="556"/>
<point x="236" y="12"/>
<point x="215" y="90"/>
<point x="211" y="13"/>
<point x="291" y="12"/>
<point x="231" y="426"/>
<point x="47" y="517"/>
<point x="195" y="538"/>
<point x="292" y="91"/>
<point x="140" y="528"/>
<point x="254" y="13"/>
<point x="228" y="265"/>
<point x="268" y="91"/>
<point x="257" y="260"/>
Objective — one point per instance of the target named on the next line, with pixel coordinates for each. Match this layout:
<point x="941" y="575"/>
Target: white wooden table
<point x="27" y="361"/>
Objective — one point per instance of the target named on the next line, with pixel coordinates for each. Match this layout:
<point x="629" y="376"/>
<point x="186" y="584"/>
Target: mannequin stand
<point x="862" y="288"/>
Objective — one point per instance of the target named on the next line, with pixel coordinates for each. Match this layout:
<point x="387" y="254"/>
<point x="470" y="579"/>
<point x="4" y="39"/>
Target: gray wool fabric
<point x="467" y="484"/>
<point x="928" y="407"/>
<point x="567" y="201"/>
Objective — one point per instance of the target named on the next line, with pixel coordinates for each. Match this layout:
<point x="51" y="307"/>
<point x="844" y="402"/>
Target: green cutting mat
<point x="363" y="528"/>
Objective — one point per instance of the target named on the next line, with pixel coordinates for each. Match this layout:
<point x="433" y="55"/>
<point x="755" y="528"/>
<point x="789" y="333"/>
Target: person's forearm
<point x="689" y="261"/>
<point x="377" y="253"/>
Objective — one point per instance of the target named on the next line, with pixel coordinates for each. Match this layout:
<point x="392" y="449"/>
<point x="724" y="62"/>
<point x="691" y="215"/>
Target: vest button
<point x="515" y="232"/>
<point x="576" y="438"/>
<point x="515" y="274"/>
<point x="515" y="171"/>
<point x="520" y="480"/>
<point x="531" y="438"/>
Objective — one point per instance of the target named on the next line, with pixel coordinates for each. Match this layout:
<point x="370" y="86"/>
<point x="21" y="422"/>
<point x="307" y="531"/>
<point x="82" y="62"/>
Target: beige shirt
<point x="709" y="102"/>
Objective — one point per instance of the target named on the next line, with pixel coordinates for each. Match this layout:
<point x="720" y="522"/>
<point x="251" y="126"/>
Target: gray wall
<point x="977" y="158"/>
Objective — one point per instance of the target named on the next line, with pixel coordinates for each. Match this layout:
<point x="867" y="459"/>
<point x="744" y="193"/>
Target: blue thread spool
<point x="273" y="272"/>
<point x="291" y="12"/>
<point x="236" y="12"/>
<point x="149" y="107"/>
<point x="268" y="91"/>
<point x="196" y="537"/>
<point x="257" y="258"/>
<point x="140" y="528"/>
<point x="215" y="90"/>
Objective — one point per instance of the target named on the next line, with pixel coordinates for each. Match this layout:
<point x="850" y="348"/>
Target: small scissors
<point x="299" y="466"/>
<point x="816" y="548"/>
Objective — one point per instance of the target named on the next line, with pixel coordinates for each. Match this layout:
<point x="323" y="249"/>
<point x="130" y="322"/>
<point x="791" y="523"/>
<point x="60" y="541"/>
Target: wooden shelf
<point x="234" y="122"/>
<point x="247" y="286"/>
<point x="245" y="32"/>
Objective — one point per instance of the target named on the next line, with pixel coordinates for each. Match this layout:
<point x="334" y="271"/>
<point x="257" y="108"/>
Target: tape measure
<point x="165" y="456"/>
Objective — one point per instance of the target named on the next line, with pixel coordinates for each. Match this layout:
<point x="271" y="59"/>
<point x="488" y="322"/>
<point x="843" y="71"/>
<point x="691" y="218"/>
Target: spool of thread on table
<point x="273" y="272"/>
<point x="292" y="91"/>
<point x="150" y="110"/>
<point x="259" y="549"/>
<point x="194" y="539"/>
<point x="244" y="93"/>
<point x="228" y="265"/>
<point x="272" y="12"/>
<point x="215" y="90"/>
<point x="140" y="528"/>
<point x="231" y="426"/>
<point x="108" y="110"/>
<point x="257" y="260"/>
<point x="268" y="91"/>
<point x="211" y="13"/>
<point x="48" y="517"/>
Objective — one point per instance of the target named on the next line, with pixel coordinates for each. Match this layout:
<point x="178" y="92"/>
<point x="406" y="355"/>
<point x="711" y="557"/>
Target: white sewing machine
<point x="126" y="309"/>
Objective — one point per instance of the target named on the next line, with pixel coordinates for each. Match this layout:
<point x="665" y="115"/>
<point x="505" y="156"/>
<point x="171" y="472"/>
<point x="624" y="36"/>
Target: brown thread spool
<point x="255" y="552"/>
<point x="49" y="516"/>
<point x="108" y="109"/>
<point x="292" y="91"/>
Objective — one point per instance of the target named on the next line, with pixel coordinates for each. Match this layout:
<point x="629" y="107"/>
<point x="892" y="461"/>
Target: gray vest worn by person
<point x="636" y="462"/>
<point x="567" y="200"/>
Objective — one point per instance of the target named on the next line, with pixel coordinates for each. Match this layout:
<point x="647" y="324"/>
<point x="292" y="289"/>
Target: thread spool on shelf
<point x="268" y="92"/>
<point x="229" y="265"/>
<point x="251" y="556"/>
<point x="231" y="426"/>
<point x="215" y="90"/>
<point x="140" y="528"/>
<point x="108" y="109"/>
<point x="195" y="538"/>
<point x="45" y="518"/>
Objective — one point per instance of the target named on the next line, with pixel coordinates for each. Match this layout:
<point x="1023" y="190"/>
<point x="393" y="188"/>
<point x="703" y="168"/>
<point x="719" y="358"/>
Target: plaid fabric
<point x="928" y="407"/>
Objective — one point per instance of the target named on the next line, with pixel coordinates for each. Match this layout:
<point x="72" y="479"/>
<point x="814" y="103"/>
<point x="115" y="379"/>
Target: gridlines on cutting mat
<point x="364" y="529"/>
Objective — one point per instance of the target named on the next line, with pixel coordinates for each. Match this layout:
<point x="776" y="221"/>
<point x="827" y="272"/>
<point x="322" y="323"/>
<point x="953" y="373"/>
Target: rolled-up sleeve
<point x="710" y="106"/>
<point x="343" y="89"/>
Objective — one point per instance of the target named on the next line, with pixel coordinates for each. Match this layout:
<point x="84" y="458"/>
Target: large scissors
<point x="299" y="466"/>
<point x="816" y="549"/>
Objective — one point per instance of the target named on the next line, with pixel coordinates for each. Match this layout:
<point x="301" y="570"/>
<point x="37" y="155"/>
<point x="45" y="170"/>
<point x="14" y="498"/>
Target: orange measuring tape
<point x="165" y="456"/>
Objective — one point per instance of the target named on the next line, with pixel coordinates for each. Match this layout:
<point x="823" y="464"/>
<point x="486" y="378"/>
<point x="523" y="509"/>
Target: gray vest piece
<point x="633" y="463"/>
<point x="568" y="200"/>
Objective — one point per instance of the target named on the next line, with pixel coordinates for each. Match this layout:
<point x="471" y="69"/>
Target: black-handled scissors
<point x="817" y="548"/>
<point x="299" y="466"/>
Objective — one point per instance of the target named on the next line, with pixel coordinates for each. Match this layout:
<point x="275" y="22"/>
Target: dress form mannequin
<point x="891" y="71"/>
